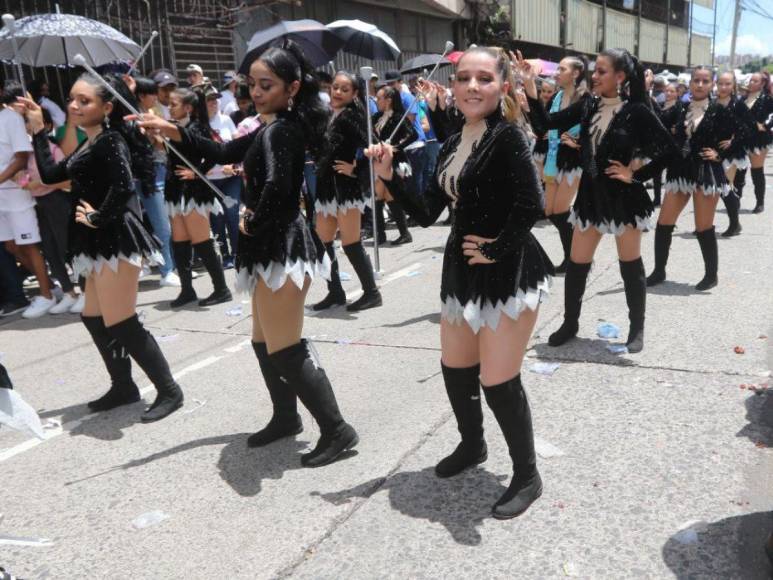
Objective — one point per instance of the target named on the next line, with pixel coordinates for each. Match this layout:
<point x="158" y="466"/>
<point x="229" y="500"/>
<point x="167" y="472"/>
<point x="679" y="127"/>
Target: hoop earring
<point x="290" y="104"/>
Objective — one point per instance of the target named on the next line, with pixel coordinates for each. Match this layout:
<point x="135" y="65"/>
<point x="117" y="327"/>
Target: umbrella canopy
<point x="365" y="40"/>
<point x="54" y="39"/>
<point x="423" y="61"/>
<point x="319" y="43"/>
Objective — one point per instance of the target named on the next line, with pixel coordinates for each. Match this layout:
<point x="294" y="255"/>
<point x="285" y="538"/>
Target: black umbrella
<point x="423" y="61"/>
<point x="319" y="44"/>
<point x="365" y="40"/>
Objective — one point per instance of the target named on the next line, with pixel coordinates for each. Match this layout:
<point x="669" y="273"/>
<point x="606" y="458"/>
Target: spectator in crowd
<point x="54" y="208"/>
<point x="227" y="101"/>
<point x="325" y="81"/>
<point x="195" y="74"/>
<point x="416" y="152"/>
<point x="18" y="221"/>
<point x="225" y="178"/>
<point x="166" y="83"/>
<point x="245" y="107"/>
<point x="38" y="89"/>
<point x="659" y="90"/>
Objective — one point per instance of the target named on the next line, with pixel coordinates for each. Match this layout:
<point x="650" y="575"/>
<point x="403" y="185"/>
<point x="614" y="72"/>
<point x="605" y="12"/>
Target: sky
<point x="754" y="35"/>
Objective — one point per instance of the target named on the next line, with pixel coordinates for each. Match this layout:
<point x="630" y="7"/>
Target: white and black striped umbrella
<point x="365" y="40"/>
<point x="54" y="39"/>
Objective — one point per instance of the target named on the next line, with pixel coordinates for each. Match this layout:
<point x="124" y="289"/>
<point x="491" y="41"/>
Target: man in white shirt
<point x="227" y="101"/>
<point x="38" y="88"/>
<point x="18" y="220"/>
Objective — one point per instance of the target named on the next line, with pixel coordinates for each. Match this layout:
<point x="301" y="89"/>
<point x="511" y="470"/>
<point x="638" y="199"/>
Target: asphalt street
<point x="656" y="465"/>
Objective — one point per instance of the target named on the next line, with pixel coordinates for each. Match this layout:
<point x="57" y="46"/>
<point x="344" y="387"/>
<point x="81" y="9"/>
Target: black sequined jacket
<point x="761" y="111"/>
<point x="346" y="135"/>
<point x="405" y="135"/>
<point x="717" y="125"/>
<point x="175" y="189"/>
<point x="635" y="129"/>
<point x="744" y="128"/>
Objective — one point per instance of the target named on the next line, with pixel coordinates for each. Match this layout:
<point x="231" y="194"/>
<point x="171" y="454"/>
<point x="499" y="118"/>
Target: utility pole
<point x="689" y="34"/>
<point x="564" y="24"/>
<point x="668" y="26"/>
<point x="604" y="25"/>
<point x="638" y="30"/>
<point x="714" y="37"/>
<point x="736" y="22"/>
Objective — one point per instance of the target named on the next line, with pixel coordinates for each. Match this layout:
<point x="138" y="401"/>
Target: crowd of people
<point x="266" y="172"/>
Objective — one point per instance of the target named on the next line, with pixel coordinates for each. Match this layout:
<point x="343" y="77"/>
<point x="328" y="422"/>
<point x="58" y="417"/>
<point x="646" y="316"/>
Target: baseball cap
<point x="392" y="75"/>
<point x="374" y="76"/>
<point x="229" y="77"/>
<point x="165" y="79"/>
<point x="194" y="68"/>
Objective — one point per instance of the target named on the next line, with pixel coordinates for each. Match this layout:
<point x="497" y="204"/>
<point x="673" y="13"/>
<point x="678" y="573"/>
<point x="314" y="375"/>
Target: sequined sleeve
<point x="526" y="190"/>
<point x="217" y="153"/>
<point x="745" y="125"/>
<point x="654" y="140"/>
<point x="111" y="153"/>
<point x="50" y="170"/>
<point x="562" y="120"/>
<point x="279" y="141"/>
<point x="424" y="208"/>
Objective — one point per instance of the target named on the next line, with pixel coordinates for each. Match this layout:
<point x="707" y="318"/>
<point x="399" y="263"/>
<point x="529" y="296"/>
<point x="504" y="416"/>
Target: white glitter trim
<point x="275" y="275"/>
<point x="332" y="208"/>
<point x="478" y="316"/>
<point x="204" y="209"/>
<point x="741" y="164"/>
<point x="757" y="150"/>
<point x="570" y="176"/>
<point x="643" y="224"/>
<point x="83" y="265"/>
<point x="539" y="157"/>
<point x="689" y="187"/>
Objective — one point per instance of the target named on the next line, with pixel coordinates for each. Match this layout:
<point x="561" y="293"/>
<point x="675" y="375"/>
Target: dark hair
<point x="623" y="61"/>
<point x="145" y="86"/>
<point x="140" y="148"/>
<point x="358" y="85"/>
<point x="290" y="64"/>
<point x="324" y="77"/>
<point x="765" y="82"/>
<point x="35" y="87"/>
<point x="394" y="97"/>
<point x="11" y="91"/>
<point x="243" y="92"/>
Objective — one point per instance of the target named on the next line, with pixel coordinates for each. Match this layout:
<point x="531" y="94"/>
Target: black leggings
<point x="54" y="215"/>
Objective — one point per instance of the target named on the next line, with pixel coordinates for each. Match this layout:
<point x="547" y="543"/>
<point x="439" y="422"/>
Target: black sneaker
<point x="11" y="308"/>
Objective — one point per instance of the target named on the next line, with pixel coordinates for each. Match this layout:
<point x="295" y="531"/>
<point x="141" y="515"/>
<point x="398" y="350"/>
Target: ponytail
<point x="290" y="64"/>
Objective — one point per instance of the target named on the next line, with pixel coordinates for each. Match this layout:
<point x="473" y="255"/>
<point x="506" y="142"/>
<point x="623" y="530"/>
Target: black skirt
<point x="689" y="175"/>
<point x="183" y="197"/>
<point x="481" y="293"/>
<point x="569" y="164"/>
<point x="125" y="238"/>
<point x="278" y="252"/>
<point x="336" y="192"/>
<point x="611" y="206"/>
<point x="540" y="150"/>
<point x="735" y="155"/>
<point x="758" y="142"/>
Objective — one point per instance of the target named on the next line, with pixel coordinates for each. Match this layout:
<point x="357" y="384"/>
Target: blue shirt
<point x="424" y="107"/>
<point x="407" y="99"/>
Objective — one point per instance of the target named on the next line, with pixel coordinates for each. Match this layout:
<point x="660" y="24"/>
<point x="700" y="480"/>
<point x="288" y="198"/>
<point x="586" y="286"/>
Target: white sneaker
<point x="77" y="308"/>
<point x="64" y="305"/>
<point x="40" y="305"/>
<point x="145" y="272"/>
<point x="57" y="292"/>
<point x="170" y="279"/>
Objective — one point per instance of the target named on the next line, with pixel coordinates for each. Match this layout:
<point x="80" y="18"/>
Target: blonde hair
<point x="511" y="109"/>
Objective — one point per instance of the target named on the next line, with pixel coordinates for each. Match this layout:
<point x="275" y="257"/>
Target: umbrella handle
<point x="80" y="61"/>
<point x="10" y="23"/>
<point x="365" y="73"/>
<point x="145" y="48"/>
<point x="449" y="48"/>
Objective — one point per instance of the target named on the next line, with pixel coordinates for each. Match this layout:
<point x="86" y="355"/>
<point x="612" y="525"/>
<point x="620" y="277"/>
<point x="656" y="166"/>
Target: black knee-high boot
<point x="371" y="297"/>
<point x="574" y="289"/>
<point x="663" y="235"/>
<point x="739" y="182"/>
<point x="144" y="349"/>
<point x="732" y="205"/>
<point x="122" y="390"/>
<point x="398" y="213"/>
<point x="380" y="222"/>
<point x="565" y="232"/>
<point x="510" y="405"/>
<point x="183" y="259"/>
<point x="335" y="292"/>
<point x="206" y="251"/>
<point x="635" y="285"/>
<point x="5" y="380"/>
<point x="657" y="185"/>
<point x="463" y="389"/>
<point x="285" y="420"/>
<point x="302" y="373"/>
<point x="708" y="242"/>
<point x="758" y="179"/>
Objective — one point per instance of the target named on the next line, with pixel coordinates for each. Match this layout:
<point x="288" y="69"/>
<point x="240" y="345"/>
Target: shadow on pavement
<point x="583" y="350"/>
<point x="105" y="425"/>
<point x="759" y="414"/>
<point x="459" y="504"/>
<point x="730" y="548"/>
<point x="669" y="288"/>
<point x="433" y="317"/>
